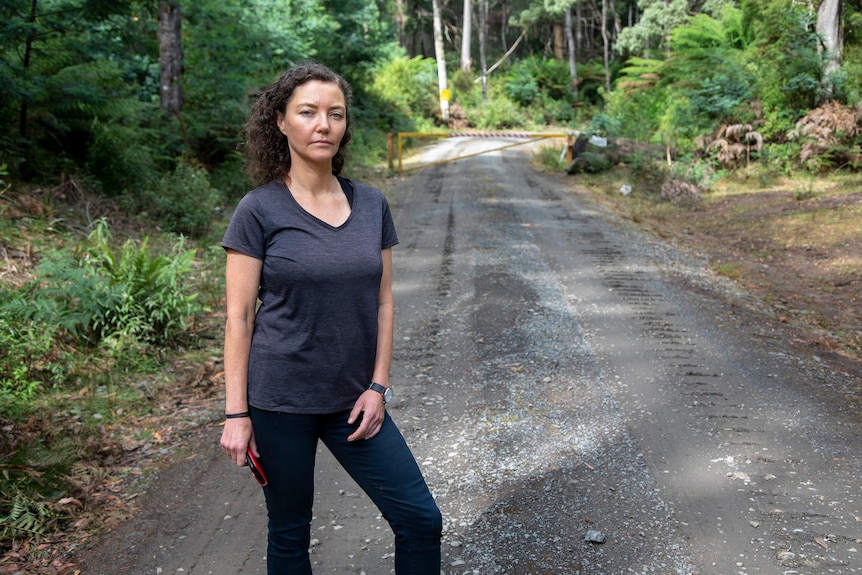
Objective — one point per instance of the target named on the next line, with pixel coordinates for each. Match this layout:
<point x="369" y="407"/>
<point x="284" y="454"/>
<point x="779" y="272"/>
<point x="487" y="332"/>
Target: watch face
<point x="387" y="395"/>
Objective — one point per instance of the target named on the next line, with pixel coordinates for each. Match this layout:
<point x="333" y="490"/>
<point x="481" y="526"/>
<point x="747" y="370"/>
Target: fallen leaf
<point x="70" y="501"/>
<point x="821" y="541"/>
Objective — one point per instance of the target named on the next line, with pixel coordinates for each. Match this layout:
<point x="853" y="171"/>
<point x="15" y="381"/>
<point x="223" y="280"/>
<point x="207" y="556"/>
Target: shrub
<point x="183" y="201"/>
<point x="144" y="297"/>
<point x="681" y="193"/>
<point x="828" y="135"/>
<point x="123" y="156"/>
<point x="410" y="83"/>
<point x="498" y="113"/>
<point x="735" y="144"/>
<point x="521" y="86"/>
<point x="96" y="294"/>
<point x="25" y="347"/>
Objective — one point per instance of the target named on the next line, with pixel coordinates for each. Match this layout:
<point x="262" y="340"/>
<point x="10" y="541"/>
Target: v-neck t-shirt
<point x="315" y="330"/>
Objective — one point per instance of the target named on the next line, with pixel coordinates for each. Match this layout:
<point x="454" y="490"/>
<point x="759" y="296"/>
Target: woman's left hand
<point x="372" y="408"/>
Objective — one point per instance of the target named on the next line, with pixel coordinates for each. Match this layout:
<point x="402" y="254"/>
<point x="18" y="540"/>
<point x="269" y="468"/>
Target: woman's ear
<point x="279" y="121"/>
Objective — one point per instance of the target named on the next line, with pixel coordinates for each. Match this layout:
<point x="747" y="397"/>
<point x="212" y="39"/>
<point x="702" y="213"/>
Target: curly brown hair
<point x="266" y="151"/>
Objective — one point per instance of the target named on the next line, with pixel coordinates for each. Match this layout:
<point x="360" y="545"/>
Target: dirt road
<point x="560" y="377"/>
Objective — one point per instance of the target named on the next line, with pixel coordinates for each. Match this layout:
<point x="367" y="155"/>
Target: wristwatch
<point x="386" y="392"/>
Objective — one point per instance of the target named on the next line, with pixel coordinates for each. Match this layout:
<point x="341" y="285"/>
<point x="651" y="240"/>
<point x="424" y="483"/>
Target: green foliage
<point x="410" y="84"/>
<point x="498" y="113"/>
<point x="560" y="112"/>
<point x="694" y="171"/>
<point x="122" y="154"/>
<point x="25" y="346"/>
<point x="521" y="86"/>
<point x="363" y="37"/>
<point x="651" y="35"/>
<point x="95" y="296"/>
<point x="602" y="124"/>
<point x="537" y="78"/>
<point x="788" y="63"/>
<point x="183" y="201"/>
<point x="143" y="296"/>
<point x="637" y="114"/>
<point x="640" y="74"/>
<point x="550" y="157"/>
<point x="23" y="517"/>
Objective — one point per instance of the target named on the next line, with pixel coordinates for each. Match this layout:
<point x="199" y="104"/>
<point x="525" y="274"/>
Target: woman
<point x="312" y="362"/>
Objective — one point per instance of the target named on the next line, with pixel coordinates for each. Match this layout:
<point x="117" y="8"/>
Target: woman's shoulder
<point x="262" y="196"/>
<point x="363" y="190"/>
<point x="274" y="187"/>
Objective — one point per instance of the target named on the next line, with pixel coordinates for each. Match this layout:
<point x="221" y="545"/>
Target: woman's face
<point x="314" y="121"/>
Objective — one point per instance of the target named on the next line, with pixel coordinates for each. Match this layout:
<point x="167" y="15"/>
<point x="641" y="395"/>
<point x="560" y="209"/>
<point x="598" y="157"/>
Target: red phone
<point x="255" y="467"/>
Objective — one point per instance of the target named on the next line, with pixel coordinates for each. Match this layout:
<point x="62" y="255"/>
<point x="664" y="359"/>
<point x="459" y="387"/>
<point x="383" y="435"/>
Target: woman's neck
<point x="304" y="180"/>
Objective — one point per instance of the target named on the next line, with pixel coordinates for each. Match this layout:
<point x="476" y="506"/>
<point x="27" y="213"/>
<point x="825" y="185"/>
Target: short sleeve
<point x="245" y="231"/>
<point x="389" y="236"/>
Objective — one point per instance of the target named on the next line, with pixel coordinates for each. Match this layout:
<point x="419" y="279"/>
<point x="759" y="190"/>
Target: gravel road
<point x="581" y="398"/>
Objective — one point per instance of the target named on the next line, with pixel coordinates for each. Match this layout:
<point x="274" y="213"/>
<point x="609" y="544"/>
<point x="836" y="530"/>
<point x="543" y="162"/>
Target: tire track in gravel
<point x="531" y="451"/>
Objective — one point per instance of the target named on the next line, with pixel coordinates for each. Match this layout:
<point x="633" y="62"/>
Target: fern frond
<point x="26" y="517"/>
<point x="641" y="73"/>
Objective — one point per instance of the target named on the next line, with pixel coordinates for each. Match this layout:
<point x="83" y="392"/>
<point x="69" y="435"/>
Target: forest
<point x="128" y="115"/>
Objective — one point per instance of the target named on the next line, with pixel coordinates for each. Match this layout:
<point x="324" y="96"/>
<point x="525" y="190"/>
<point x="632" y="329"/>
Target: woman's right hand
<point x="236" y="437"/>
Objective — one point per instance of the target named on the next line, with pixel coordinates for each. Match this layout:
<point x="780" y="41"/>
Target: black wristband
<point x="236" y="415"/>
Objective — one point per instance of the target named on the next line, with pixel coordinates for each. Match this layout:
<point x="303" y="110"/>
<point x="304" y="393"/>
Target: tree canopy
<point x="80" y="80"/>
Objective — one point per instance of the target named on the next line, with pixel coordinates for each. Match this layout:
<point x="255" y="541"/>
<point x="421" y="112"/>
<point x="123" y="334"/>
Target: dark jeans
<point x="382" y="466"/>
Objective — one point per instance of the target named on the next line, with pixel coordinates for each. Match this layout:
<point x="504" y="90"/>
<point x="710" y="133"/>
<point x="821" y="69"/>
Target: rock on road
<point x="559" y="376"/>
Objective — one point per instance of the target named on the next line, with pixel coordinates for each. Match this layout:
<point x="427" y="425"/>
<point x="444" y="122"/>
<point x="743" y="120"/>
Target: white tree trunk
<point x="483" y="38"/>
<point x="441" y="62"/>
<point x="829" y="28"/>
<point x="606" y="45"/>
<point x="465" y="35"/>
<point x="570" y="40"/>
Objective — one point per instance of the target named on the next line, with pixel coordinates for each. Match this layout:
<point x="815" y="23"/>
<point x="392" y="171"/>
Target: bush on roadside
<point x="91" y="300"/>
<point x="183" y="201"/>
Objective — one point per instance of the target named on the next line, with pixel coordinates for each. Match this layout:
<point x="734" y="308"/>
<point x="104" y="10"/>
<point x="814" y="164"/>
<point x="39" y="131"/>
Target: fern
<point x="143" y="295"/>
<point x="640" y="74"/>
<point x="25" y="518"/>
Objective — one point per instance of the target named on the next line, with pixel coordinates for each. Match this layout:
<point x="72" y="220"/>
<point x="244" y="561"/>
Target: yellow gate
<point x="396" y="143"/>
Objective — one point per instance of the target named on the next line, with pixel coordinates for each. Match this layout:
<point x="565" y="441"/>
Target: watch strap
<point x="382" y="390"/>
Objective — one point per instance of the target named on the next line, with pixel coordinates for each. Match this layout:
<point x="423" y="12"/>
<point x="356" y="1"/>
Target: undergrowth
<point x="80" y="332"/>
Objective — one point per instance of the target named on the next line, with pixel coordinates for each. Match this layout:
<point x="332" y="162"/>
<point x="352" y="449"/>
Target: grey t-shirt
<point x="315" y="332"/>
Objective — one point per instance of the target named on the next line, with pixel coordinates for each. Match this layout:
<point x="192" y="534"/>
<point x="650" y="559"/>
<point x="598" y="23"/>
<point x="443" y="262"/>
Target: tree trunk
<point x="558" y="41"/>
<point x="579" y="33"/>
<point x="606" y="44"/>
<point x="171" y="57"/>
<point x="24" y="111"/>
<point x="483" y="38"/>
<point x="400" y="22"/>
<point x="466" y="39"/>
<point x="441" y="62"/>
<point x="829" y="28"/>
<point x="570" y="41"/>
